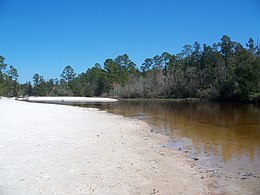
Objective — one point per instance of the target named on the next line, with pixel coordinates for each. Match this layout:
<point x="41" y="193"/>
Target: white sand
<point x="56" y="149"/>
<point x="69" y="100"/>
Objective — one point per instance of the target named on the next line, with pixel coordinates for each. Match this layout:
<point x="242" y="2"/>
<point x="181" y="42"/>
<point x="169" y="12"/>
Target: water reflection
<point x="221" y="130"/>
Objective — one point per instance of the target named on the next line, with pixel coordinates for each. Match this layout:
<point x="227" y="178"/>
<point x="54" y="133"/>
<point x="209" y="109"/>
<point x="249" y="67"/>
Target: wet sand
<point x="57" y="149"/>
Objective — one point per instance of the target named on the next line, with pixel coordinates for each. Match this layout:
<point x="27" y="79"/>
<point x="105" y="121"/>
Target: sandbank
<point x="68" y="100"/>
<point x="57" y="149"/>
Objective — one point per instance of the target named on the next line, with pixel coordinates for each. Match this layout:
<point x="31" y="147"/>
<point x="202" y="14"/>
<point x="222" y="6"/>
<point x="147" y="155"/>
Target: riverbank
<point x="67" y="100"/>
<point x="253" y="99"/>
<point x="58" y="149"/>
<point x="225" y="138"/>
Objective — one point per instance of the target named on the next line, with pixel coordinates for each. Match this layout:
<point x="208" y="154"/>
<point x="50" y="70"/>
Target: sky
<point x="44" y="36"/>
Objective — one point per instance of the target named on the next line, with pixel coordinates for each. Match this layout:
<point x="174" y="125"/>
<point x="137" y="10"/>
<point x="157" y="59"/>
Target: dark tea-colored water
<point x="225" y="137"/>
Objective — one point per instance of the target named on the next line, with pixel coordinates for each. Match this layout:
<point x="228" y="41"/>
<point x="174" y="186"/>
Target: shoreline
<point x="49" y="148"/>
<point x="67" y="100"/>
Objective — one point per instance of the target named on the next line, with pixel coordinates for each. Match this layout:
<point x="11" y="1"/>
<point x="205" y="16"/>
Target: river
<point x="223" y="137"/>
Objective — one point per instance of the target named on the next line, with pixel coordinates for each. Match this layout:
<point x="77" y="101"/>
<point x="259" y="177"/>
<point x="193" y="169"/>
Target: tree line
<point x="224" y="71"/>
<point x="8" y="80"/>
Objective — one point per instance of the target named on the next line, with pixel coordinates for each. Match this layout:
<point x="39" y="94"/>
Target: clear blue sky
<point x="43" y="36"/>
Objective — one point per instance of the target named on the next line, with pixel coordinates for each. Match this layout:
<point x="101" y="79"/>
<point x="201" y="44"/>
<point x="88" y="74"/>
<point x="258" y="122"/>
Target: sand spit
<point x="57" y="149"/>
<point x="68" y="100"/>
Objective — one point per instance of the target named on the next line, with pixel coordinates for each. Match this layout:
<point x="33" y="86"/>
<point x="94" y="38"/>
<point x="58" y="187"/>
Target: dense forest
<point x="224" y="71"/>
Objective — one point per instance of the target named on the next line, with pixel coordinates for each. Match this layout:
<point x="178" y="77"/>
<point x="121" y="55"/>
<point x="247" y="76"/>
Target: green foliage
<point x="223" y="71"/>
<point x="8" y="80"/>
<point x="68" y="74"/>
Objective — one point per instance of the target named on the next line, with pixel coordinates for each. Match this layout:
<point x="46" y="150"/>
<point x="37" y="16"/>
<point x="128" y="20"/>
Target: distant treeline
<point x="224" y="71"/>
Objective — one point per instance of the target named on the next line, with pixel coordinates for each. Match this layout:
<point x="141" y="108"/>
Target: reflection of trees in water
<point x="235" y="128"/>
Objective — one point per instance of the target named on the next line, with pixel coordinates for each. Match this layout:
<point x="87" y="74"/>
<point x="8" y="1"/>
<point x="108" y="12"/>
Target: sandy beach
<point x="68" y="100"/>
<point x="57" y="149"/>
